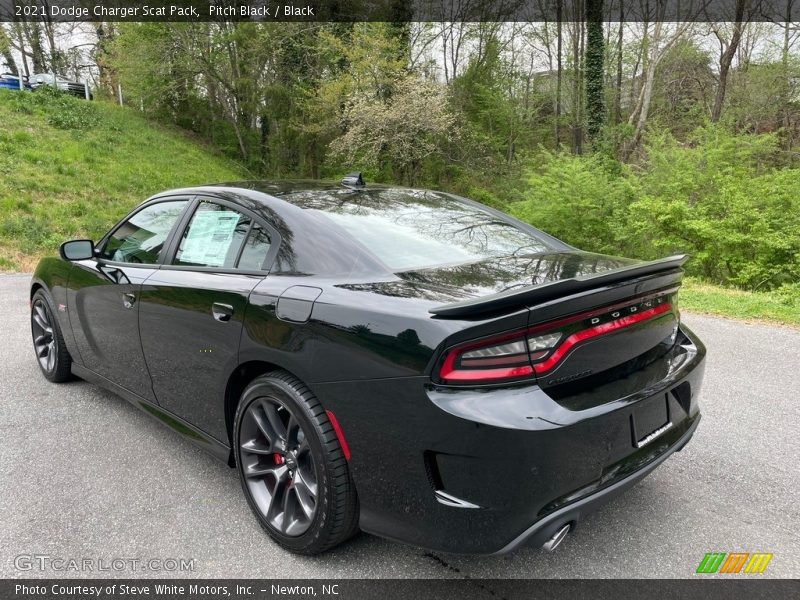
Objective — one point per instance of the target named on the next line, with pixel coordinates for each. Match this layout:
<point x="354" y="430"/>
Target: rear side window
<point x="255" y="249"/>
<point x="141" y="238"/>
<point x="213" y="238"/>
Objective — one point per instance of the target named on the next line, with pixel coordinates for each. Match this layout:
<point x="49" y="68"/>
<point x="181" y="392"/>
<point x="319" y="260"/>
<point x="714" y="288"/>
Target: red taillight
<point x="539" y="349"/>
<point x="498" y="358"/>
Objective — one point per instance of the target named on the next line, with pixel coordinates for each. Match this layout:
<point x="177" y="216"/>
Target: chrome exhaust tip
<point x="557" y="538"/>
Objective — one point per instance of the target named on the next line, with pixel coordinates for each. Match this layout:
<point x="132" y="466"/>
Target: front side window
<point x="213" y="238"/>
<point x="141" y="238"/>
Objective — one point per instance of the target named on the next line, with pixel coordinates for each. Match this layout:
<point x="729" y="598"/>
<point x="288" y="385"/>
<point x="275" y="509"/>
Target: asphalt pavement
<point x="85" y="475"/>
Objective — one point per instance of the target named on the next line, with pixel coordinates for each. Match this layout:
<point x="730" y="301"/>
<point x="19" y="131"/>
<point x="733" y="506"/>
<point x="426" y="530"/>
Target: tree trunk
<point x="54" y="54"/>
<point x="618" y="94"/>
<point x="641" y="58"/>
<point x="726" y="59"/>
<point x="24" y="53"/>
<point x="105" y="73"/>
<point x="5" y="53"/>
<point x="33" y="33"/>
<point x="264" y="144"/>
<point x="595" y="70"/>
<point x="640" y="112"/>
<point x="653" y="56"/>
<point x="239" y="138"/>
<point x="559" y="36"/>
<point x="444" y="53"/>
<point x="577" y="80"/>
<point x="785" y="80"/>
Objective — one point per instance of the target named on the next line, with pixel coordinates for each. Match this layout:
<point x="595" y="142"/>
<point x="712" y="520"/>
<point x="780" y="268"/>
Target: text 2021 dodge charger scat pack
<point x="400" y="361"/>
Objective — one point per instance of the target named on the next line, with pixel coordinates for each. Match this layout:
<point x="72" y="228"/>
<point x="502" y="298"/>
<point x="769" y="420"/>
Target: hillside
<point x="71" y="168"/>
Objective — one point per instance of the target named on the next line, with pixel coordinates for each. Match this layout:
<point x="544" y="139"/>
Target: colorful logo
<point x="734" y="562"/>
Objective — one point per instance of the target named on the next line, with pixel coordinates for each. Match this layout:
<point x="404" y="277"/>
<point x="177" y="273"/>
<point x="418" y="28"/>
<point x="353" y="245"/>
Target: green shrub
<point x="577" y="198"/>
<point x="74" y="117"/>
<point x="69" y="112"/>
<point x="721" y="201"/>
<point x="719" y="198"/>
<point x="60" y="109"/>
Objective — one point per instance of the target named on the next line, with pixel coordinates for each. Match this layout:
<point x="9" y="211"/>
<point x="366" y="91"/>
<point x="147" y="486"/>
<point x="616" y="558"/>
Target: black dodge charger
<point x="405" y="362"/>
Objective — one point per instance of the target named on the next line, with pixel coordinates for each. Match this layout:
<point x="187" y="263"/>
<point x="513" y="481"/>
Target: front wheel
<point x="48" y="342"/>
<point x="293" y="470"/>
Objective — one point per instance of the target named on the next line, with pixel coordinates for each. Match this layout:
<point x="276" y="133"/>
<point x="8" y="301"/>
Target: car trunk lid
<point x="587" y="313"/>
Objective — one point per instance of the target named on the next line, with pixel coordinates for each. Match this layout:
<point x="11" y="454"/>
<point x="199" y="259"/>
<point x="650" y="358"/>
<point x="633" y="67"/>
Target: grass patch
<point x="781" y="306"/>
<point x="71" y="169"/>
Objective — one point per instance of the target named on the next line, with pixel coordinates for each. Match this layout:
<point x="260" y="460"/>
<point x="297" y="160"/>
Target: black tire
<point x="48" y="341"/>
<point x="265" y="458"/>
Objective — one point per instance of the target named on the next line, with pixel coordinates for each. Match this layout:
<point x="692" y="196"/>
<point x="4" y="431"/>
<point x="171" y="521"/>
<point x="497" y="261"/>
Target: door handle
<point x="222" y="312"/>
<point x="128" y="300"/>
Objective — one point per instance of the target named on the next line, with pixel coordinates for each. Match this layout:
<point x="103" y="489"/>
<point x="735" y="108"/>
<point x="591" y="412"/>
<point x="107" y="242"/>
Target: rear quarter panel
<point x="349" y="336"/>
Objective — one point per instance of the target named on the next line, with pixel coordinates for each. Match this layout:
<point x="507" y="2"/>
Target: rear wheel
<point x="48" y="342"/>
<point x="292" y="467"/>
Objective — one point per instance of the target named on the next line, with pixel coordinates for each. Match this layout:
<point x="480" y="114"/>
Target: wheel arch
<point x="238" y="380"/>
<point x="36" y="285"/>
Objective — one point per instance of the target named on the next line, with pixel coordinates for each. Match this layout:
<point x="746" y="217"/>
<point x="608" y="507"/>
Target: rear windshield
<point x="410" y="229"/>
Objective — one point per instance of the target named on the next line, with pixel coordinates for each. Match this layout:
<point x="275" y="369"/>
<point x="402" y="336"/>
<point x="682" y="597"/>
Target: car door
<point x="191" y="310"/>
<point x="104" y="292"/>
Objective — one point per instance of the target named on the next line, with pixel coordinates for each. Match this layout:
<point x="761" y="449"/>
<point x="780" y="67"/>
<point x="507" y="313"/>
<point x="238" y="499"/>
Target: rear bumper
<point x="543" y="529"/>
<point x="523" y="460"/>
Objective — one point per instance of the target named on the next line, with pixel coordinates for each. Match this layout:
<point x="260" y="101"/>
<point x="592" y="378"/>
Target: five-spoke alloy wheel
<point x="48" y="343"/>
<point x="292" y="466"/>
<point x="278" y="466"/>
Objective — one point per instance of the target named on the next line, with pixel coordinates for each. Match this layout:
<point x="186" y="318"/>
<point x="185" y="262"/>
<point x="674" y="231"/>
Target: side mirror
<point x="77" y="250"/>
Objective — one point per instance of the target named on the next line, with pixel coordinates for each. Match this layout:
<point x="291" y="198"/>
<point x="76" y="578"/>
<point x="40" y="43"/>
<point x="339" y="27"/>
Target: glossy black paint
<point x="198" y="344"/>
<point x="104" y="326"/>
<point x="181" y="342"/>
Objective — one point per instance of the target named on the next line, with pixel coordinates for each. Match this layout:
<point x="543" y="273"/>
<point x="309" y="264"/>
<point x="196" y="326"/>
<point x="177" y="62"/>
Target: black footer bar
<point x="415" y="589"/>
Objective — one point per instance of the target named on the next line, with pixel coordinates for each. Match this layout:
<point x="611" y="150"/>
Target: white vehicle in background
<point x="75" y="88"/>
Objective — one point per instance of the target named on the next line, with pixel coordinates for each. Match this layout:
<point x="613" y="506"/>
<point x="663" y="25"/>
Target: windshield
<point x="411" y="229"/>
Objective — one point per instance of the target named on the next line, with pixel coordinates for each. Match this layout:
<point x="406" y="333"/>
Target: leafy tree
<point x="684" y="89"/>
<point x="399" y="134"/>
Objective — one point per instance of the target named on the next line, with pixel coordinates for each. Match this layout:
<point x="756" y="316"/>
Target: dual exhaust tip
<point x="449" y="500"/>
<point x="557" y="538"/>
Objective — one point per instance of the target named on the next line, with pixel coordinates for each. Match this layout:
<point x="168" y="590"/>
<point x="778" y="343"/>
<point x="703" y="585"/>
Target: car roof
<point x="280" y="196"/>
<point x="308" y="235"/>
<point x="283" y="187"/>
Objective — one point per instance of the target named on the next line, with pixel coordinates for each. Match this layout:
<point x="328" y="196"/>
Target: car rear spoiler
<point x="537" y="294"/>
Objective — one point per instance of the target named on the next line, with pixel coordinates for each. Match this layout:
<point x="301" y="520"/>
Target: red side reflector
<point x="339" y="435"/>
